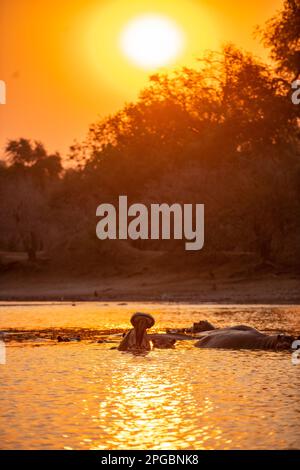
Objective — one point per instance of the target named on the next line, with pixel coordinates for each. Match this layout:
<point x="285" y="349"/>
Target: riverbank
<point x="267" y="289"/>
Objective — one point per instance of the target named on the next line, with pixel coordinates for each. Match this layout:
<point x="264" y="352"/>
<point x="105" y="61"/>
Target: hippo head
<point x="284" y="342"/>
<point x="202" y="325"/>
<point x="141" y="322"/>
<point x="164" y="343"/>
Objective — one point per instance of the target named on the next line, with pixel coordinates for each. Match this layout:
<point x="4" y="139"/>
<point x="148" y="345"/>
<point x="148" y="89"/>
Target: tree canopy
<point x="282" y="35"/>
<point x="224" y="133"/>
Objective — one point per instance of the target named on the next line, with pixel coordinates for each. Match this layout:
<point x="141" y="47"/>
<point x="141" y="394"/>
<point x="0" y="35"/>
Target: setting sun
<point x="152" y="41"/>
<point x="115" y="45"/>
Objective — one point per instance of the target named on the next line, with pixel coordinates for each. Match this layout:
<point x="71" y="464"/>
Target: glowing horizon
<point x="59" y="84"/>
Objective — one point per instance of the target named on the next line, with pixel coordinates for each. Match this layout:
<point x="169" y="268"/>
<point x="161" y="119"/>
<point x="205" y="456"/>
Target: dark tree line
<point x="224" y="133"/>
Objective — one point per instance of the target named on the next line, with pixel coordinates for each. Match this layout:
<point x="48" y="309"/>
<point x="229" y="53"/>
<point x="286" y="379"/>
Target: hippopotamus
<point x="202" y="325"/>
<point x="163" y="341"/>
<point x="207" y="336"/>
<point x="243" y="337"/>
<point x="136" y="338"/>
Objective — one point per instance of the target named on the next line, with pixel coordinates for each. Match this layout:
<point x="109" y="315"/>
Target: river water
<point x="85" y="395"/>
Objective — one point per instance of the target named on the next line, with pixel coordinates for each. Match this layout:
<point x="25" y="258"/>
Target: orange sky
<point x="61" y="64"/>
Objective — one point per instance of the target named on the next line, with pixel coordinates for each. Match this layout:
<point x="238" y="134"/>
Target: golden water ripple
<point x="87" y="396"/>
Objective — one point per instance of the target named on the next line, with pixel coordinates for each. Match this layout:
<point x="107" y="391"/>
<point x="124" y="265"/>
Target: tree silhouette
<point x="223" y="133"/>
<point x="282" y="36"/>
<point x="32" y="156"/>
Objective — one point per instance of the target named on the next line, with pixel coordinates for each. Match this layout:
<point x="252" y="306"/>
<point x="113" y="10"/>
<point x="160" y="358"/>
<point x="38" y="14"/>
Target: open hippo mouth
<point x="141" y="322"/>
<point x="140" y="328"/>
<point x="137" y="339"/>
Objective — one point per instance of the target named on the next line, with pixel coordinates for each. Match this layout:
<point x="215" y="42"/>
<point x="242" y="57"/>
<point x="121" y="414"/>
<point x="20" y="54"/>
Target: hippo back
<point x="232" y="338"/>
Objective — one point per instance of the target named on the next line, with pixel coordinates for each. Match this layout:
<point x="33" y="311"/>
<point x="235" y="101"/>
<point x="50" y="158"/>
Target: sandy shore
<point x="268" y="289"/>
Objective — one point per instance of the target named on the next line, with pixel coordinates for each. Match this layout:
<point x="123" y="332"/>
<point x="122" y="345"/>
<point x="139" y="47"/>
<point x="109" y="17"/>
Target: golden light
<point x="116" y="44"/>
<point x="152" y="41"/>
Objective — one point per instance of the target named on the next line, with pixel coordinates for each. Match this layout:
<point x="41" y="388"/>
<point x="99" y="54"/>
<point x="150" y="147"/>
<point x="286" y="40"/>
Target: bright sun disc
<point x="152" y="41"/>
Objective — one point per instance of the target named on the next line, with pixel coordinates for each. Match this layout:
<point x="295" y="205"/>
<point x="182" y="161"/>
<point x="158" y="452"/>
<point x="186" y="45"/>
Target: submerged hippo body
<point x="243" y="337"/>
<point x="162" y="341"/>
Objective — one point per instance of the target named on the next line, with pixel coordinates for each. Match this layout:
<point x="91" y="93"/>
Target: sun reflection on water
<point x="151" y="402"/>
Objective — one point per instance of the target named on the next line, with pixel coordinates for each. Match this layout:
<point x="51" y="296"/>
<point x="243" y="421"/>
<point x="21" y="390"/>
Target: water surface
<point x="87" y="396"/>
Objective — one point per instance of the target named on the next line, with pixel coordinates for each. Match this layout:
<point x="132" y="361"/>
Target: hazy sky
<point x="63" y="66"/>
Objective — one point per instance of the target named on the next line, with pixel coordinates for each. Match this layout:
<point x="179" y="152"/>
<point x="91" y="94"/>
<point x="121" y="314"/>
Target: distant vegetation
<point x="225" y="134"/>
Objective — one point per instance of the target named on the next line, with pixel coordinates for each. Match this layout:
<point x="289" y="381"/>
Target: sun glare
<point x="152" y="41"/>
<point x="116" y="44"/>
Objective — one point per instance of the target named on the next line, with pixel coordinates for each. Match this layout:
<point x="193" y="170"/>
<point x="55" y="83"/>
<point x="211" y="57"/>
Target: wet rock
<point x="65" y="339"/>
<point x="62" y="339"/>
